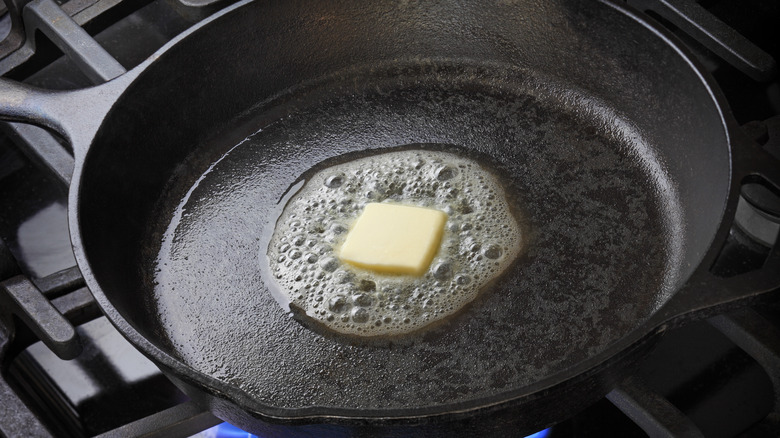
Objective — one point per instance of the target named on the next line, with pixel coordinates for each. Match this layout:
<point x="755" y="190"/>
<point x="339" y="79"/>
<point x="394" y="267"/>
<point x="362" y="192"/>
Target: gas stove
<point x="715" y="378"/>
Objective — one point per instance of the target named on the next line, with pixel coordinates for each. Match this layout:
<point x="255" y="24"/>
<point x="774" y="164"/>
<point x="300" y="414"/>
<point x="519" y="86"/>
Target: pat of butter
<point x="394" y="239"/>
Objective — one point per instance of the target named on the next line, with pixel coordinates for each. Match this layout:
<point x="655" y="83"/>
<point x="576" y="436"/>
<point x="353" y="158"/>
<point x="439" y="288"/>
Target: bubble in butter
<point x="481" y="239"/>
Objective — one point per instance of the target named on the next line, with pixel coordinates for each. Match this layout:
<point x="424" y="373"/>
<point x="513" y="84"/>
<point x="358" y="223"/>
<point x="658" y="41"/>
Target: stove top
<point x="713" y="378"/>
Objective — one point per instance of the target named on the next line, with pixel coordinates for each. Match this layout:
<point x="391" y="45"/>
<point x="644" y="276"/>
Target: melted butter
<point x="480" y="241"/>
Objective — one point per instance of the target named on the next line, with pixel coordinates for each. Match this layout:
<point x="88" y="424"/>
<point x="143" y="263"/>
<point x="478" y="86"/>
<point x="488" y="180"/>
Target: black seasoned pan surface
<point x="600" y="218"/>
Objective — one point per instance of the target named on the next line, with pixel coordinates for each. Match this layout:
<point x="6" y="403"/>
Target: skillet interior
<point x="596" y="135"/>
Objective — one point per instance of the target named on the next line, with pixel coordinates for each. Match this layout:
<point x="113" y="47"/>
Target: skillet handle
<point x="22" y="103"/>
<point x="75" y="115"/>
<point x="705" y="294"/>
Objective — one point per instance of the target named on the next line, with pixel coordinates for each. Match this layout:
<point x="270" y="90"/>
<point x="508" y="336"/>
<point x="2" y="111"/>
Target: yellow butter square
<point x="394" y="239"/>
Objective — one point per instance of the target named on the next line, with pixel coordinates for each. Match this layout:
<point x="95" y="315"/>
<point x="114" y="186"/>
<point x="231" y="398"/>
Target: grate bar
<point x="15" y="418"/>
<point x="21" y="297"/>
<point x="179" y="421"/>
<point x="651" y="411"/>
<point x="759" y="338"/>
<point x="90" y="57"/>
<point x="60" y="282"/>
<point x="49" y="151"/>
<point x="715" y="35"/>
<point x="78" y="306"/>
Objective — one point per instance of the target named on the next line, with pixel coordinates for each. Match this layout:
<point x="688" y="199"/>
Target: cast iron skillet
<point x="618" y="153"/>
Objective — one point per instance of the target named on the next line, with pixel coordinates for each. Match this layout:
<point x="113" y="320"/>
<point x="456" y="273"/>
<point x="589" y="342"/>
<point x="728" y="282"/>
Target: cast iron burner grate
<point x="719" y="377"/>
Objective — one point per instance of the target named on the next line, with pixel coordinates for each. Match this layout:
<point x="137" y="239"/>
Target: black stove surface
<point x="714" y="378"/>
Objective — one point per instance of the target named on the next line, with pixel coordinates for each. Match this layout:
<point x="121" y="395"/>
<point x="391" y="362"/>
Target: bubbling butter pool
<point x="481" y="239"/>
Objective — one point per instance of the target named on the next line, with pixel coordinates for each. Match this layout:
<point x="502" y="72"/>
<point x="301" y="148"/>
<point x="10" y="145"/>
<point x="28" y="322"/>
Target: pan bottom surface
<point x="600" y="223"/>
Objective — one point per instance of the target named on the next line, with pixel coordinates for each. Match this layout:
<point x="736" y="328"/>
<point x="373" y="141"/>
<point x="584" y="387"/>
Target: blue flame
<point x="226" y="430"/>
<point x="540" y="434"/>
